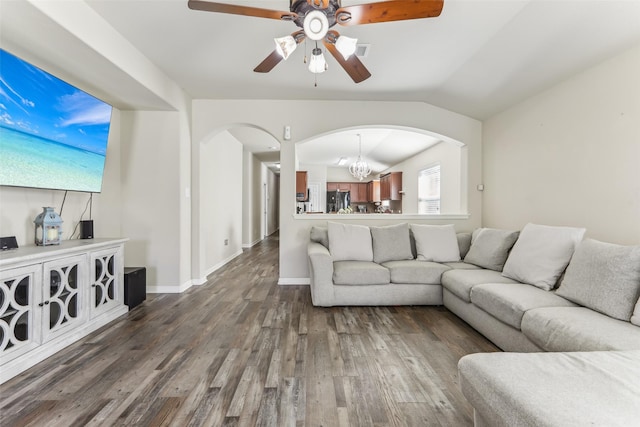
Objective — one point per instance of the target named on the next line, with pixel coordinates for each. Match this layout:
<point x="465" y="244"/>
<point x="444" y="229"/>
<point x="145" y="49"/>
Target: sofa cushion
<point x="460" y="282"/>
<point x="604" y="277"/>
<point x="578" y="329"/>
<point x="350" y="242"/>
<point x="464" y="243"/>
<point x="553" y="389"/>
<point x="437" y="243"/>
<point x="360" y="273"/>
<point x="416" y="272"/>
<point x="391" y="243"/>
<point x="490" y="247"/>
<point x="541" y="254"/>
<point x="635" y="317"/>
<point x="509" y="302"/>
<point x="320" y="235"/>
<point x="461" y="265"/>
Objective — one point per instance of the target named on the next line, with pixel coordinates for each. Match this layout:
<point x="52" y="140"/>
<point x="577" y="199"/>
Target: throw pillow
<point x="541" y="254"/>
<point x="348" y="242"/>
<point x="490" y="247"/>
<point x="437" y="243"/>
<point x="391" y="243"/>
<point x="320" y="235"/>
<point x="604" y="277"/>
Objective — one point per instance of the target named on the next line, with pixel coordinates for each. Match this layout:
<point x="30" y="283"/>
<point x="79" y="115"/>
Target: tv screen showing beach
<point x="52" y="134"/>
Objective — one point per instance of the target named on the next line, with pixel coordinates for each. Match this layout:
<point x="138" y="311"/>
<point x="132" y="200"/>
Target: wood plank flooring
<point x="241" y="350"/>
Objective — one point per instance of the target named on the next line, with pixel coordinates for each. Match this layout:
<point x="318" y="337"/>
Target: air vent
<point x="362" y="50"/>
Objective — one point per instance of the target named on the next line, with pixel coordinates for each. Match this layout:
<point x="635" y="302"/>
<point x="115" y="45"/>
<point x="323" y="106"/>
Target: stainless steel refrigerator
<point x="337" y="200"/>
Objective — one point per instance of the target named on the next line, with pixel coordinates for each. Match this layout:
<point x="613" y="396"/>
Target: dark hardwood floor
<point x="241" y="350"/>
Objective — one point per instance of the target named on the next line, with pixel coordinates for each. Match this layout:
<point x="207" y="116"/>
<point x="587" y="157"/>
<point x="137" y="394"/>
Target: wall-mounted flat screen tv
<point x="52" y="134"/>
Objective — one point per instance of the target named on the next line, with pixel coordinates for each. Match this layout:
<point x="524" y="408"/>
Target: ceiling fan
<point x="317" y="17"/>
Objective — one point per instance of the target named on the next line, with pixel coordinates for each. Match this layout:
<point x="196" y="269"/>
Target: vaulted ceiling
<point x="477" y="58"/>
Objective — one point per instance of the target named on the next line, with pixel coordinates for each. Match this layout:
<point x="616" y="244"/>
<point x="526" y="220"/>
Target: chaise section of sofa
<point x="553" y="389"/>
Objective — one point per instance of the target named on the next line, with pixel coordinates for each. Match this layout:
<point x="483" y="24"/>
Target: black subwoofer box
<point x="135" y="286"/>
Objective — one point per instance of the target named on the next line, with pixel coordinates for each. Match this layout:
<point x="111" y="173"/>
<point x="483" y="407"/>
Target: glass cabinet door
<point x="19" y="319"/>
<point x="105" y="283"/>
<point x="62" y="299"/>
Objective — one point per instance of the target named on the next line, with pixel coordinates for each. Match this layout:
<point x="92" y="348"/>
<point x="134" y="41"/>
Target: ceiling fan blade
<point x="356" y="69"/>
<point x="274" y="57"/>
<point x="269" y="62"/>
<point x="241" y="10"/>
<point x="386" y="11"/>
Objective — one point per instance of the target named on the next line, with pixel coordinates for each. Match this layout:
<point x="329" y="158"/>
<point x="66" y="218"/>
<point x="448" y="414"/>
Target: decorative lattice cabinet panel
<point x="63" y="300"/>
<point x="52" y="296"/>
<point x="106" y="287"/>
<point x="19" y="318"/>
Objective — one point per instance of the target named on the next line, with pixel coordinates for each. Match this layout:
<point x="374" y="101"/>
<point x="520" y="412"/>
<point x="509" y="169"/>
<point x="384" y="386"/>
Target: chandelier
<point x="360" y="169"/>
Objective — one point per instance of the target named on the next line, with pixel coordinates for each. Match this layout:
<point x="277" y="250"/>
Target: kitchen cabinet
<point x="373" y="191"/>
<point x="391" y="186"/>
<point x="355" y="193"/>
<point x="52" y="296"/>
<point x="301" y="186"/>
<point x="363" y="192"/>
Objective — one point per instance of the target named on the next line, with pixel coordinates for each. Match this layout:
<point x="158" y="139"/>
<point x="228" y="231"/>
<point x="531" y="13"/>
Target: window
<point x="429" y="190"/>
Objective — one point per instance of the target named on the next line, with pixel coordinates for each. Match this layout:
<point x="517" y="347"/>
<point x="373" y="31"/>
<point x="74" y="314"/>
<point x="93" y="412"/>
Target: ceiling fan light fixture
<point x="315" y="25"/>
<point x="317" y="64"/>
<point x="285" y="46"/>
<point x="346" y="46"/>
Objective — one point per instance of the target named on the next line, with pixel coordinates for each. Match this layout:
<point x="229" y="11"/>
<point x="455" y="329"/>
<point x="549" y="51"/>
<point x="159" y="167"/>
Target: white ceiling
<point x="477" y="58"/>
<point x="381" y="147"/>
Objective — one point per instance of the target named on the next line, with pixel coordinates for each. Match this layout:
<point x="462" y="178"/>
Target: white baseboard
<point x="193" y="282"/>
<point x="170" y="289"/>
<point x="203" y="280"/>
<point x="290" y="281"/>
<point x="252" y="244"/>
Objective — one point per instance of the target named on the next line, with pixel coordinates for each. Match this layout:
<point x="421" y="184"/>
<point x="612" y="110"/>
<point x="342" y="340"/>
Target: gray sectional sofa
<point x="544" y="289"/>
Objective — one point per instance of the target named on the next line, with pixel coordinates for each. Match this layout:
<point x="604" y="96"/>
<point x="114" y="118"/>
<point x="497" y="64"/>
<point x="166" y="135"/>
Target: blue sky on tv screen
<point x="35" y="102"/>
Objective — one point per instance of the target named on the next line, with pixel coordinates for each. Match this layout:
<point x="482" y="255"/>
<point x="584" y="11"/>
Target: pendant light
<point x="360" y="168"/>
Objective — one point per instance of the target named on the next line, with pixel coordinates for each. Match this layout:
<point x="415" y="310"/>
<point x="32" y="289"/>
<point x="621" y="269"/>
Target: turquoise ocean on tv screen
<point x="52" y="134"/>
<point x="30" y="161"/>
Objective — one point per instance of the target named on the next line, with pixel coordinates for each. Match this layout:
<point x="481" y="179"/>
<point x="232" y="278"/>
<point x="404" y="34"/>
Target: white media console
<point x="52" y="296"/>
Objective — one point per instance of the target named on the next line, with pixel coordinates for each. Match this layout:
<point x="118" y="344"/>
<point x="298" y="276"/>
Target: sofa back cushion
<point x="437" y="243"/>
<point x="350" y="242"/>
<point x="541" y="254"/>
<point x="490" y="247"/>
<point x="464" y="243"/>
<point x="604" y="277"/>
<point x="391" y="243"/>
<point x="635" y="317"/>
<point x="320" y="235"/>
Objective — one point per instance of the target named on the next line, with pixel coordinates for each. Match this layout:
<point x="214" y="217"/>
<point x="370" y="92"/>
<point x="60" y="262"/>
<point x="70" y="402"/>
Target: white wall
<point x="220" y="201"/>
<point x="251" y="199"/>
<point x="450" y="156"/>
<point x="19" y="206"/>
<point x="150" y="177"/>
<point x="272" y="116"/>
<point x="570" y="155"/>
<point x="273" y="202"/>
